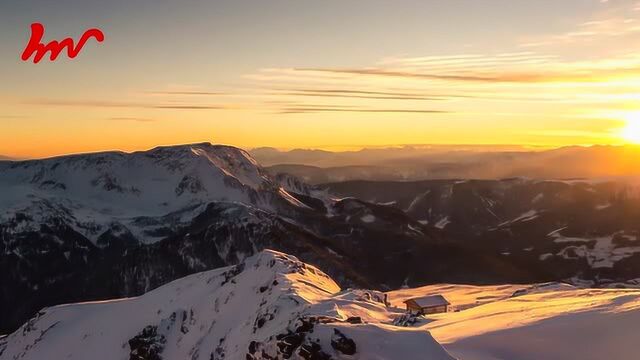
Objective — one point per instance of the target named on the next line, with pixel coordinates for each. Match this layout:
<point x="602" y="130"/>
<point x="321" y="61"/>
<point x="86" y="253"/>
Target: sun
<point x="631" y="132"/>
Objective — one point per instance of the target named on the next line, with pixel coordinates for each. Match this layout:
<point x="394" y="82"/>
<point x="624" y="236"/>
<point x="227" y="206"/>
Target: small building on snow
<point x="432" y="304"/>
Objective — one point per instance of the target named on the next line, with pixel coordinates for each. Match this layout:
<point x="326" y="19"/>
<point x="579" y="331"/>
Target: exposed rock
<point x="147" y="345"/>
<point x="313" y="351"/>
<point x="342" y="343"/>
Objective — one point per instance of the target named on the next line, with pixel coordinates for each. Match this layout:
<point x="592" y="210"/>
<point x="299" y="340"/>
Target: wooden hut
<point x="432" y="304"/>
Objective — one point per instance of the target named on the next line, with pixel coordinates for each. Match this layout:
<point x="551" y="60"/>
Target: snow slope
<point x="271" y="306"/>
<point x="465" y="296"/>
<point x="548" y="321"/>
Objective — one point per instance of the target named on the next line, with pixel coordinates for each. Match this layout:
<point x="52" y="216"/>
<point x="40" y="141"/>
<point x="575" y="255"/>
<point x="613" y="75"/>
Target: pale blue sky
<point x="242" y="35"/>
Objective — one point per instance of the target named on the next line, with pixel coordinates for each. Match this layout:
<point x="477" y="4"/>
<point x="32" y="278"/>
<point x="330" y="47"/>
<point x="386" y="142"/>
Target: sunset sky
<point x="321" y="74"/>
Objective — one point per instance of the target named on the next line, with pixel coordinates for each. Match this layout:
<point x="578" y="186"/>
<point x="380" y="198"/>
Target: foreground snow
<point x="552" y="321"/>
<point x="271" y="306"/>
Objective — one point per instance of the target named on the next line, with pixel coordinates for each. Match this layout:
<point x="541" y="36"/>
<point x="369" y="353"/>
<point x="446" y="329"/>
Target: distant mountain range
<point x="451" y="162"/>
<point x="375" y="156"/>
<point x="582" y="231"/>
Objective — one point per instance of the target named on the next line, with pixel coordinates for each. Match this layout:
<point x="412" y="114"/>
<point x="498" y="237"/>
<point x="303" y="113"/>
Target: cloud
<point x="362" y="94"/>
<point x="615" y="20"/>
<point x="14" y="117"/>
<point x="193" y="107"/>
<point x="319" y="109"/>
<point x="507" y="68"/>
<point x="524" y="84"/>
<point x="130" y="105"/>
<point x="525" y="76"/>
<point x="187" y="93"/>
<point x="590" y="31"/>
<point x="427" y="76"/>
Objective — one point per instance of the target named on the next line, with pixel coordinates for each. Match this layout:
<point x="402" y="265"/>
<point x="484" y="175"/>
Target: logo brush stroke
<point x="54" y="47"/>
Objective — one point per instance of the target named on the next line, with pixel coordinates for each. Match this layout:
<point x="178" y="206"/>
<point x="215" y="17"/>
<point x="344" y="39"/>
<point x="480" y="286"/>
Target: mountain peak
<point x="99" y="189"/>
<point x="271" y="306"/>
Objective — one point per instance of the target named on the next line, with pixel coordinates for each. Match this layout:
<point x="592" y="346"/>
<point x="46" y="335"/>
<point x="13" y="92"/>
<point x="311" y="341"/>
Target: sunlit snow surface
<point x="555" y="321"/>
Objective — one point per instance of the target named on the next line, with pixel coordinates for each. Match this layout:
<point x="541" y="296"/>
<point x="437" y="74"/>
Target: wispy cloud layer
<point x="617" y="20"/>
<point x="308" y="109"/>
<point x="187" y="93"/>
<point x="361" y="94"/>
<point x="129" y="105"/>
<point x="494" y="69"/>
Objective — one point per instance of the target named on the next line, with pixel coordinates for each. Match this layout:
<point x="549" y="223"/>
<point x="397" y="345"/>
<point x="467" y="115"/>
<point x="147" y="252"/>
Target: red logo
<point x="36" y="46"/>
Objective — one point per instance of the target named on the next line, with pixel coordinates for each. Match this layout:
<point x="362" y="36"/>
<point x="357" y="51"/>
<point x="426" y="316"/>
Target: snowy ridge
<point x="136" y="192"/>
<point x="271" y="306"/>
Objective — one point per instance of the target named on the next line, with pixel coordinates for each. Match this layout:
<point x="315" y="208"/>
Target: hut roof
<point x="429" y="301"/>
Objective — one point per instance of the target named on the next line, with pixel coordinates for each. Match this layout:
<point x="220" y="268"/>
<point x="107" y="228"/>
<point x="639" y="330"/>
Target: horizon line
<point x="325" y="148"/>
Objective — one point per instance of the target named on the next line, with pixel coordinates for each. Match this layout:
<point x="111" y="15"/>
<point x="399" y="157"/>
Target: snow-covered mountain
<point x="106" y="225"/>
<point x="109" y="225"/>
<point x="141" y="193"/>
<point x="270" y="306"/>
<point x="558" y="229"/>
<point x="133" y="221"/>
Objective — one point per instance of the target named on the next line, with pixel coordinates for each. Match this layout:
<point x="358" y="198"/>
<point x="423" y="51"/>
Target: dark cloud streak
<point x="303" y="110"/>
<point x="311" y="94"/>
<point x="116" y="104"/>
<point x="194" y="93"/>
<point x="131" y="119"/>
